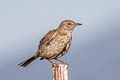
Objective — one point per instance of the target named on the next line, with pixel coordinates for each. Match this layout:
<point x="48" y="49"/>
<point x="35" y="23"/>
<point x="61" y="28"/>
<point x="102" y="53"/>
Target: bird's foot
<point x="51" y="62"/>
<point x="61" y="61"/>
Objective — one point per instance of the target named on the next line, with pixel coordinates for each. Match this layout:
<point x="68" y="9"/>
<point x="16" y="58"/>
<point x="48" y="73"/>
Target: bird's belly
<point x="53" y="49"/>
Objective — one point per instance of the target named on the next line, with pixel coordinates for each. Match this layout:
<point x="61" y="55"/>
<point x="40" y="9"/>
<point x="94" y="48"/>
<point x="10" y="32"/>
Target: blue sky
<point x="95" y="50"/>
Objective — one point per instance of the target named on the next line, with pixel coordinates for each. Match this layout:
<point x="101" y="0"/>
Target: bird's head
<point x="68" y="25"/>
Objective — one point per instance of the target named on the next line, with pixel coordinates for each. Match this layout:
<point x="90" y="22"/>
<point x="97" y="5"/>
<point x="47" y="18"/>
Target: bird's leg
<point x="50" y="61"/>
<point x="61" y="61"/>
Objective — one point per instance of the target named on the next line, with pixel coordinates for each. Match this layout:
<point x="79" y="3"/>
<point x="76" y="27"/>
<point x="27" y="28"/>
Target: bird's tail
<point x="28" y="61"/>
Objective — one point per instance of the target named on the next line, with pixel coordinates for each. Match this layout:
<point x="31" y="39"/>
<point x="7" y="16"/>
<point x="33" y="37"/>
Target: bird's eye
<point x="69" y="24"/>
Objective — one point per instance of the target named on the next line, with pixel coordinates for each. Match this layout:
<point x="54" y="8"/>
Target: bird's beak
<point x="78" y="24"/>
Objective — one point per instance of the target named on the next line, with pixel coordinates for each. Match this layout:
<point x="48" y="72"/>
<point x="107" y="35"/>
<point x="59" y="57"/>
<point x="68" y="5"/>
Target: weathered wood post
<point x="60" y="71"/>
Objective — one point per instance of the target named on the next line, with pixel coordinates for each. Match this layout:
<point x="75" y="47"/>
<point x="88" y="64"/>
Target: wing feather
<point x="47" y="38"/>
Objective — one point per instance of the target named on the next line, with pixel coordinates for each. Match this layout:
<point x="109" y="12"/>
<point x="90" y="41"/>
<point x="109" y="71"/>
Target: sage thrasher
<point x="54" y="44"/>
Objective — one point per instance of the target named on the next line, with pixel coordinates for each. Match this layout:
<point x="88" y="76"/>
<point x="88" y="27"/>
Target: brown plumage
<point x="55" y="43"/>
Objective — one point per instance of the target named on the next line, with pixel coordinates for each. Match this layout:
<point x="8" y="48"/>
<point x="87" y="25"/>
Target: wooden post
<point x="60" y="71"/>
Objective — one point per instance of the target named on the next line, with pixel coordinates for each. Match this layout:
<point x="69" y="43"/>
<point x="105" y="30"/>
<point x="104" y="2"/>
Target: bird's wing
<point x="47" y="38"/>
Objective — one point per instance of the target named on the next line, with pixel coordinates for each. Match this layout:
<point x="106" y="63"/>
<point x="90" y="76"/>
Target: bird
<point x="54" y="44"/>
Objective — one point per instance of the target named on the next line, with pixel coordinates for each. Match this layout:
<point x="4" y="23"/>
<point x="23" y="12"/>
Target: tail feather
<point x="28" y="61"/>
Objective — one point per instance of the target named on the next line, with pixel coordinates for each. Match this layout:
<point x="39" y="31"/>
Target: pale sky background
<point x="95" y="49"/>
